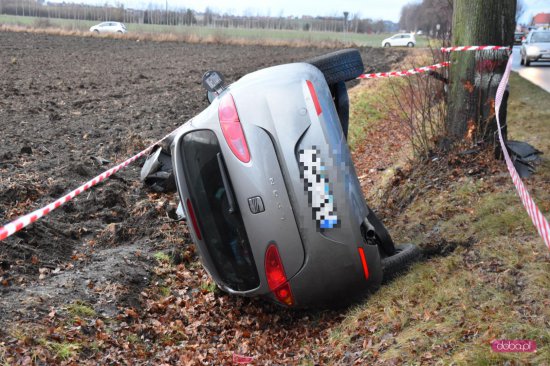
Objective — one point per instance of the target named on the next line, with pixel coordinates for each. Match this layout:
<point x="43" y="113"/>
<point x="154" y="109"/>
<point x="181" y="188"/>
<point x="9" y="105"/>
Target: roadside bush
<point x="42" y="23"/>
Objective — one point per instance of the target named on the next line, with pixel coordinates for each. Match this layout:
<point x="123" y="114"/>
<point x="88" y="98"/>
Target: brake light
<point x="276" y="277"/>
<point x="232" y="128"/>
<point x="193" y="219"/>
<point x="314" y="97"/>
<point x="364" y="263"/>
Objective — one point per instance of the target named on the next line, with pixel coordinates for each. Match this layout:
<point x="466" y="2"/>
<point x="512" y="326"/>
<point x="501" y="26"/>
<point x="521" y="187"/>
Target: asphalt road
<point x="538" y="73"/>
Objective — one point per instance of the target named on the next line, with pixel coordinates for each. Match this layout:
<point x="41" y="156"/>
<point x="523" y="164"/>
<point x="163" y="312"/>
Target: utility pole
<point x="346" y="13"/>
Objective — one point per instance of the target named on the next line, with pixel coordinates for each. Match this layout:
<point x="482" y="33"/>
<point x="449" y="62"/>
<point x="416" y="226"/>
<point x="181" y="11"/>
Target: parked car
<point x="269" y="190"/>
<point x="109" y="27"/>
<point x="519" y="37"/>
<point x="536" y="47"/>
<point x="400" y="39"/>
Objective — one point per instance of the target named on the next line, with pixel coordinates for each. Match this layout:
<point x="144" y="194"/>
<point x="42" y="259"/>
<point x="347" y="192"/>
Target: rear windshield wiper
<point x="227" y="185"/>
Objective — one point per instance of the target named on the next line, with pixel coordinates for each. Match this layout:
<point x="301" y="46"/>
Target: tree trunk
<point x="474" y="75"/>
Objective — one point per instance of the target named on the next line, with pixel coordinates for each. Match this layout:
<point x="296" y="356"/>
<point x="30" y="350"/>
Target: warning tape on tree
<point x="417" y="70"/>
<point x="533" y="211"/>
<point x="474" y="48"/>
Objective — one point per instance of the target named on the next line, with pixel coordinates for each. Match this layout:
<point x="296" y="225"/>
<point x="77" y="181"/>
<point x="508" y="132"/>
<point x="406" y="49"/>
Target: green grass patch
<point x="81" y="309"/>
<point x="209" y="287"/>
<point x="368" y="106"/>
<point x="164" y="291"/>
<point x="162" y="257"/>
<point x="61" y="350"/>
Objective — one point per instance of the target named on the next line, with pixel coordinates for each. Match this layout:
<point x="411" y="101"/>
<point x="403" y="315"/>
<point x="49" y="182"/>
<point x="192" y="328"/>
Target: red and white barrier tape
<point x="24" y="221"/>
<point x="473" y="48"/>
<point x="536" y="216"/>
<point x="414" y="71"/>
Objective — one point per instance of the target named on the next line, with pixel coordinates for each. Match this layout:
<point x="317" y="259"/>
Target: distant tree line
<point x="37" y="8"/>
<point x="155" y="14"/>
<point x="425" y="17"/>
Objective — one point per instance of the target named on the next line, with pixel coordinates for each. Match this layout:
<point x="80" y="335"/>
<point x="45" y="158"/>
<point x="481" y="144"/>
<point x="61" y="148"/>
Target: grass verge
<point x="487" y="275"/>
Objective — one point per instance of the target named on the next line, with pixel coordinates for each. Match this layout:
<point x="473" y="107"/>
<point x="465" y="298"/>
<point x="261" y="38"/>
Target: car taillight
<point x="193" y="219"/>
<point x="232" y="128"/>
<point x="314" y="97"/>
<point x="364" y="263"/>
<point x="276" y="277"/>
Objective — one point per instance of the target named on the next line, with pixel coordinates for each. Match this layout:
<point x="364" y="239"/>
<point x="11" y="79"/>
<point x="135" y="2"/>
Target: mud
<point x="70" y="108"/>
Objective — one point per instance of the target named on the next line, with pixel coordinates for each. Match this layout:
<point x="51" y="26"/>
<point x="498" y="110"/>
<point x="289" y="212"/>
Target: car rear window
<point x="223" y="232"/>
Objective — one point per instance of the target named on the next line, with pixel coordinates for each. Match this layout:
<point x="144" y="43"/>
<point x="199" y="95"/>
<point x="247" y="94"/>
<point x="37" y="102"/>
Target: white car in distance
<point x="109" y="27"/>
<point x="400" y="39"/>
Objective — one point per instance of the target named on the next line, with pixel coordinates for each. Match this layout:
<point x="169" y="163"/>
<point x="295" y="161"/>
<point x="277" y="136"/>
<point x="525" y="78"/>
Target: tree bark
<point x="474" y="75"/>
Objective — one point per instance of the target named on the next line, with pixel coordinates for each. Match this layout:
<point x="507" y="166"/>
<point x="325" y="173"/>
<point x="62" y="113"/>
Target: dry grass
<point x="489" y="275"/>
<point x="217" y="38"/>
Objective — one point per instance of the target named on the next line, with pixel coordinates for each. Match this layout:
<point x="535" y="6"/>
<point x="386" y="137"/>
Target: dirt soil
<point x="69" y="109"/>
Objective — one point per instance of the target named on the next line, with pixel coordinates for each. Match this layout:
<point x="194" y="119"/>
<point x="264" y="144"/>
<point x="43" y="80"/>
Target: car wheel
<point x="404" y="256"/>
<point x="527" y="61"/>
<point x="339" y="66"/>
<point x="96" y="31"/>
<point x="410" y="44"/>
<point x="522" y="62"/>
<point x="119" y="32"/>
<point x="387" y="44"/>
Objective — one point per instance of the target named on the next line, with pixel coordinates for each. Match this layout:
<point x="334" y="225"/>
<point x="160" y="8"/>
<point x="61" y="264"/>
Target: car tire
<point x="404" y="256"/>
<point x="527" y="61"/>
<point x="410" y="44"/>
<point x="522" y="62"/>
<point x="387" y="44"/>
<point x="119" y="32"/>
<point x="96" y="31"/>
<point x="339" y="66"/>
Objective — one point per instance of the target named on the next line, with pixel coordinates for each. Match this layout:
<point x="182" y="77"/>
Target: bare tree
<point x="520" y="9"/>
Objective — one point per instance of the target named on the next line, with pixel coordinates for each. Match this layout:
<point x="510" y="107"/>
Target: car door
<point x="399" y="40"/>
<point x="395" y="40"/>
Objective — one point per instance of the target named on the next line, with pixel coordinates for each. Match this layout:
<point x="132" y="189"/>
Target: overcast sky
<point x="375" y="9"/>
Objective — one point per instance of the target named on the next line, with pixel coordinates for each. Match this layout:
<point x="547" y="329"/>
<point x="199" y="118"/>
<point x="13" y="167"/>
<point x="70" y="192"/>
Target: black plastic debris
<point x="157" y="172"/>
<point x="99" y="160"/>
<point x="524" y="157"/>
